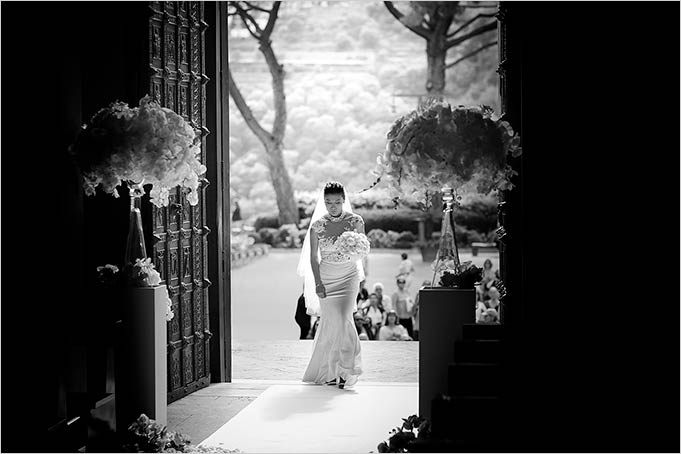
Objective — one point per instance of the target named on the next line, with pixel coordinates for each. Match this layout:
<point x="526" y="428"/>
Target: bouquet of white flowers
<point x="148" y="144"/>
<point x="354" y="244"/>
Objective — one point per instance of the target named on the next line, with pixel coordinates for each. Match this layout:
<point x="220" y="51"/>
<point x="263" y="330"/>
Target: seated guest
<point x="375" y="315"/>
<point x="489" y="317"/>
<point x="383" y="300"/>
<point x="494" y="302"/>
<point x="480" y="308"/>
<point x="392" y="331"/>
<point x="363" y="325"/>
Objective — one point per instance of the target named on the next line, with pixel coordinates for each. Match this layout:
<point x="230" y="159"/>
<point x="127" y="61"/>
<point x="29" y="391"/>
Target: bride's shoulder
<point x="319" y="224"/>
<point x="356" y="219"/>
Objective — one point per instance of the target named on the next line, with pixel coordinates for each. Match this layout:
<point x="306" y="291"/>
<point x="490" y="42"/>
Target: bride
<point x="331" y="285"/>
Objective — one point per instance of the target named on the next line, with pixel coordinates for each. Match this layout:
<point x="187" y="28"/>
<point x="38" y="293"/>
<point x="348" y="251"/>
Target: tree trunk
<point x="436" y="49"/>
<point x="286" y="202"/>
<point x="437" y="52"/>
<point x="278" y="92"/>
<point x="272" y="141"/>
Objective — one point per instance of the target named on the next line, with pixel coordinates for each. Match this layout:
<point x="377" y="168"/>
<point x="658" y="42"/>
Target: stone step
<point x="465" y="418"/>
<point x="475" y="379"/>
<point x="473" y="331"/>
<point x="66" y="436"/>
<point x="80" y="403"/>
<point x="478" y="351"/>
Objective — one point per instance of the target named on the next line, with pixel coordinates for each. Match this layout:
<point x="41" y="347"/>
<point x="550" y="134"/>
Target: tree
<point x="433" y="20"/>
<point x="273" y="141"/>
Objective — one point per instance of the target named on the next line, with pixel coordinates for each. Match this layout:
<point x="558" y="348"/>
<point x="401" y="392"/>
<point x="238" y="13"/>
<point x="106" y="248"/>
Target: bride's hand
<point x="320" y="290"/>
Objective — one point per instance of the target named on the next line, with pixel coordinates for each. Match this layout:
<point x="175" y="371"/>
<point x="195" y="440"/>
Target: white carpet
<point x="302" y="418"/>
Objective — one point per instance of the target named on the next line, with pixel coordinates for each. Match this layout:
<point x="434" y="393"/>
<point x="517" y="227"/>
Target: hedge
<point x="476" y="222"/>
<point x="389" y="219"/>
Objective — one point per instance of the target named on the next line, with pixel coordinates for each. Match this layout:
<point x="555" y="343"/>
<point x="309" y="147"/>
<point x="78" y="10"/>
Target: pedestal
<point x="141" y="371"/>
<point x="442" y="314"/>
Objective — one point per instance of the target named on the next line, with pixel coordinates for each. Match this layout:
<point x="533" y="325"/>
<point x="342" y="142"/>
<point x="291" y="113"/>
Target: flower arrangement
<point x="147" y="435"/>
<point x="354" y="244"/>
<point x="438" y="145"/>
<point x="414" y="427"/>
<point x="148" y="144"/>
<point x="139" y="274"/>
<point x="463" y="276"/>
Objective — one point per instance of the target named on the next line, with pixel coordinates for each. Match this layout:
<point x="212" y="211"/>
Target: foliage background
<point x="351" y="70"/>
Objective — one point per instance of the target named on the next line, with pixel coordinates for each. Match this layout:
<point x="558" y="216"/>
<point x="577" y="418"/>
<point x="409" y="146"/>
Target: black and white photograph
<point x="340" y="226"/>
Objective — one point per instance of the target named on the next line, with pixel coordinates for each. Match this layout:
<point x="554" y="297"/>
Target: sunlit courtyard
<point x="265" y="292"/>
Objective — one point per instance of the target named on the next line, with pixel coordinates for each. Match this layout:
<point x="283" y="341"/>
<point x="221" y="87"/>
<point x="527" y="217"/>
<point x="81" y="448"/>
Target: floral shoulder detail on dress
<point x="319" y="225"/>
<point x="356" y="220"/>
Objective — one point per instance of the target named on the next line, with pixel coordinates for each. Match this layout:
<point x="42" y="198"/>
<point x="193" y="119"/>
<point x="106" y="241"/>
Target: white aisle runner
<point x="302" y="418"/>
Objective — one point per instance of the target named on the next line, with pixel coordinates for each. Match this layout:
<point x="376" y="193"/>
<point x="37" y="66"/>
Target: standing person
<point x="302" y="319"/>
<point x="406" y="270"/>
<point x="403" y="303"/>
<point x="236" y="214"/>
<point x="415" y="309"/>
<point x="488" y="275"/>
<point x="331" y="282"/>
<point x="362" y="295"/>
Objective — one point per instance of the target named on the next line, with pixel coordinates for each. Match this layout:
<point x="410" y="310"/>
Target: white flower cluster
<point x="169" y="309"/>
<point x="440" y="145"/>
<point x="147" y="276"/>
<point x="354" y="244"/>
<point x="149" y="144"/>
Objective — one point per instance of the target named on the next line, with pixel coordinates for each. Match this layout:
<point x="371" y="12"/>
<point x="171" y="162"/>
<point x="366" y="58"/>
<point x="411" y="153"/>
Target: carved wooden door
<point x="177" y="81"/>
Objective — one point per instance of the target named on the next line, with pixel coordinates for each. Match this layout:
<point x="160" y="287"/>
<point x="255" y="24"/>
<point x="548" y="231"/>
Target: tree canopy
<point x="351" y="70"/>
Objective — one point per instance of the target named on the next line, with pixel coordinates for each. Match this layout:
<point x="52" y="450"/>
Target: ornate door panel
<point x="177" y="81"/>
<point x="510" y="231"/>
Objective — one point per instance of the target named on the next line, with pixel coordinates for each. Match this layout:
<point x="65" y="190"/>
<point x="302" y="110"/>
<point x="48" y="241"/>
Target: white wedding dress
<point x="336" y="347"/>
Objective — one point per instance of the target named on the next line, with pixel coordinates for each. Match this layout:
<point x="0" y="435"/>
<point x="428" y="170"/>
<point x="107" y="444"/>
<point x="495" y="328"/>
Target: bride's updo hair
<point x="334" y="187"/>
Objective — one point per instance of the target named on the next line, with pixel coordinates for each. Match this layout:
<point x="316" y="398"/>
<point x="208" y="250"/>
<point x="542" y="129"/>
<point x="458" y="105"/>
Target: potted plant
<point x="402" y="437"/>
<point x="148" y="435"/>
<point x="145" y="145"/>
<point x="437" y="145"/>
<point x="439" y="149"/>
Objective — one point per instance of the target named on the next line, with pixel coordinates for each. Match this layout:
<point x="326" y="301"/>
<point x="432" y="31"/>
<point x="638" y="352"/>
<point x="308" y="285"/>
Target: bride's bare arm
<point x="314" y="245"/>
<point x="359" y="226"/>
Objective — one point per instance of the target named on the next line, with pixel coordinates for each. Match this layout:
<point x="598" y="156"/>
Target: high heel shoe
<point x="341" y="383"/>
<point x="331" y="383"/>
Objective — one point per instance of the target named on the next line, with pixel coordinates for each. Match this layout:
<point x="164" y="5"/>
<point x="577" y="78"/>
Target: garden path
<point x="265" y="349"/>
<point x="265" y="292"/>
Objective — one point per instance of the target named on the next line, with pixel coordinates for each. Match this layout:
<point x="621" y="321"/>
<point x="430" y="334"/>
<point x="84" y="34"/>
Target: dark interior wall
<point x="598" y="366"/>
<point x="62" y="61"/>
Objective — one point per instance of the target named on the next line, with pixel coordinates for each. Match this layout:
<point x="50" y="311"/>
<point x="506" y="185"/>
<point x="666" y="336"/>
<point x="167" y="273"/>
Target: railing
<point x="243" y="257"/>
